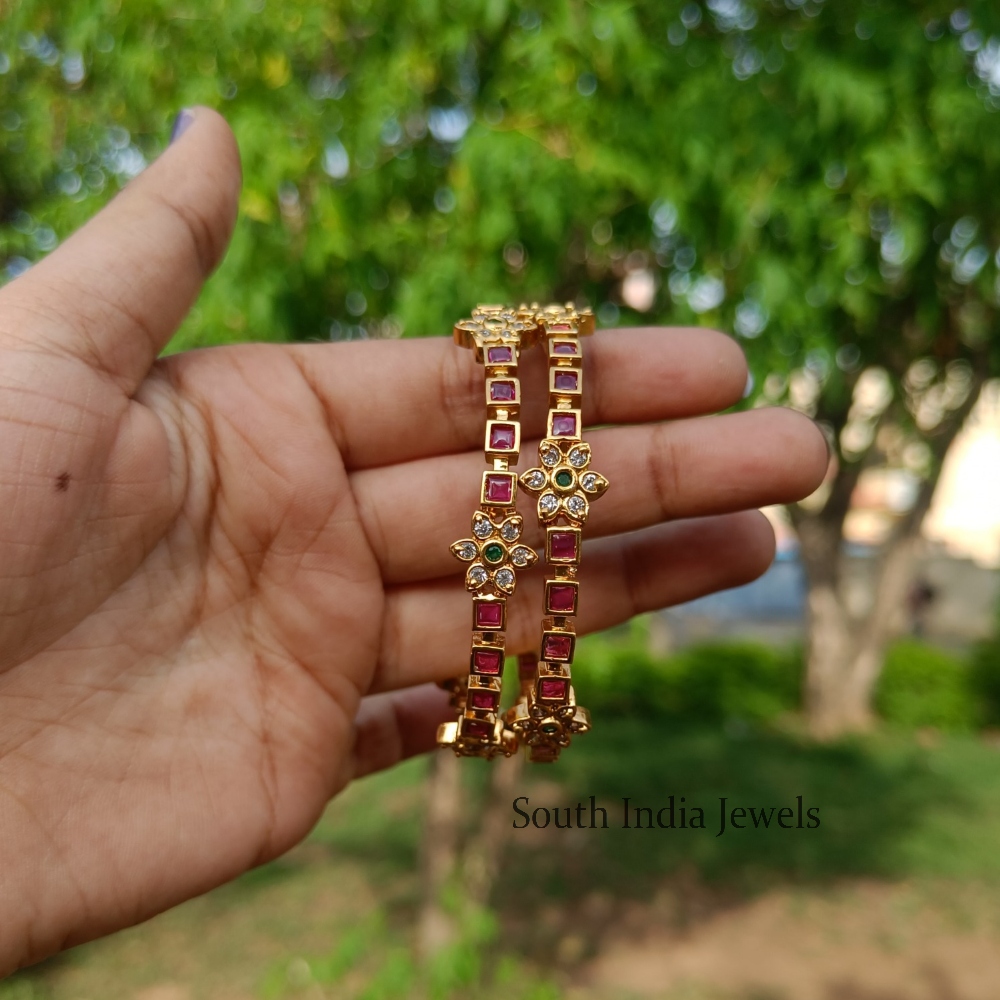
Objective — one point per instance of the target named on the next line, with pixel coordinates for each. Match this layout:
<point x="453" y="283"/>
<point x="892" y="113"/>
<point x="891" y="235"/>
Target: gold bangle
<point x="494" y="552"/>
<point x="546" y="716"/>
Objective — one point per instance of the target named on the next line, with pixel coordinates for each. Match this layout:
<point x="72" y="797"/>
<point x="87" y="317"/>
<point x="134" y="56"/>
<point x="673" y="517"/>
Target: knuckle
<point x="460" y="392"/>
<point x="663" y="465"/>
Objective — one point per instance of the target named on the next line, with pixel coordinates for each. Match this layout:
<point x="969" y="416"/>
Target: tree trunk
<point x="435" y="926"/>
<point x="845" y="654"/>
<point x="660" y="641"/>
<point x="484" y="854"/>
<point x="444" y="861"/>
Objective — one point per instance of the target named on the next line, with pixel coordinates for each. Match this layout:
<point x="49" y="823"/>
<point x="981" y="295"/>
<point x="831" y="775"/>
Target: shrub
<point x="984" y="677"/>
<point x="922" y="685"/>
<point x="711" y="682"/>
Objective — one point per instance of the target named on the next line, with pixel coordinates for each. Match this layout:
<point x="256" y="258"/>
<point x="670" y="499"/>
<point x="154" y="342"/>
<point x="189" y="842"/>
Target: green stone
<point x="549" y="728"/>
<point x="564" y="478"/>
<point x="493" y="553"/>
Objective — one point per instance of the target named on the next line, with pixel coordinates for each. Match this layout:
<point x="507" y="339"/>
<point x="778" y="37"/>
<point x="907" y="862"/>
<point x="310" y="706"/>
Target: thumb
<point x="115" y="291"/>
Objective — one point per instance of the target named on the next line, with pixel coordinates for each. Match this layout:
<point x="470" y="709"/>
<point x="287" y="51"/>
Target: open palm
<point x="225" y="583"/>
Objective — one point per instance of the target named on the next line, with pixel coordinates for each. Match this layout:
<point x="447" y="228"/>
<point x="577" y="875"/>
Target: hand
<point x="225" y="582"/>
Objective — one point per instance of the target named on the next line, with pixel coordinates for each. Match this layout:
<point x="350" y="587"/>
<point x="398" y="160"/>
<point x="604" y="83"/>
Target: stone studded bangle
<point x="546" y="716"/>
<point x="494" y="552"/>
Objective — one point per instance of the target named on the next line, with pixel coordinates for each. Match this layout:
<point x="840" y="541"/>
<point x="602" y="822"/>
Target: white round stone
<point x="478" y="575"/>
<point x="576" y="505"/>
<point x="535" y="479"/>
<point x="548" y="502"/>
<point x="505" y="578"/>
<point x="520" y="556"/>
<point x="577" y="458"/>
<point x="589" y="481"/>
<point x="510" y="530"/>
<point x="550" y="455"/>
<point x="467" y="551"/>
<point x="482" y="529"/>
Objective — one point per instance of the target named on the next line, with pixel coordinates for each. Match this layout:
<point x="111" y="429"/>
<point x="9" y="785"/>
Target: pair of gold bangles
<point x="545" y="716"/>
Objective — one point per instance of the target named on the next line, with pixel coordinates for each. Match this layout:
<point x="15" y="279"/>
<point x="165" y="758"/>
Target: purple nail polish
<point x="181" y="123"/>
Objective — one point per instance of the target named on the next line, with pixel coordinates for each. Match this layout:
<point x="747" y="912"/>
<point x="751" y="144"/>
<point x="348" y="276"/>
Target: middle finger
<point x="707" y="465"/>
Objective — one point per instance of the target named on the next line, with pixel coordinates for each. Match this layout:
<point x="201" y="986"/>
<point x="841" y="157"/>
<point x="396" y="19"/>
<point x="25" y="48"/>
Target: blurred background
<point x="822" y="180"/>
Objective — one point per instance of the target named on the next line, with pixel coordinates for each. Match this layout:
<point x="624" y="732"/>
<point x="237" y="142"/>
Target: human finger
<point x="396" y="725"/>
<point x="394" y="401"/>
<point x="658" y="472"/>
<point x="426" y="631"/>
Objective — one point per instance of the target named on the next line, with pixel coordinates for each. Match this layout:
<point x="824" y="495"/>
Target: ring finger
<point x="426" y="631"/>
<point x="658" y="472"/>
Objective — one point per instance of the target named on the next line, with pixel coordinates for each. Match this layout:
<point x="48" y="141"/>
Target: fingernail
<point x="181" y="123"/>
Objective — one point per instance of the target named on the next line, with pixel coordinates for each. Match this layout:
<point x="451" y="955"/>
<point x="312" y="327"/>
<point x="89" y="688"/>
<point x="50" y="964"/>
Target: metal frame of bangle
<point x="494" y="552"/>
<point x="546" y="715"/>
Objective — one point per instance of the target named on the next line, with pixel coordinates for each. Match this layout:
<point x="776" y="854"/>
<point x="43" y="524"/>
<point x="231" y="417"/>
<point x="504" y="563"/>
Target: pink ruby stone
<point x="487" y="661"/>
<point x="483" y="699"/>
<point x="502" y="392"/>
<point x="475" y="727"/>
<point x="566" y="381"/>
<point x="557" y="647"/>
<point x="499" y="489"/>
<point x="562" y="599"/>
<point x="562" y="545"/>
<point x="499" y="355"/>
<point x="489" y="614"/>
<point x="564" y="347"/>
<point x="552" y="688"/>
<point x="502" y="437"/>
<point x="564" y="425"/>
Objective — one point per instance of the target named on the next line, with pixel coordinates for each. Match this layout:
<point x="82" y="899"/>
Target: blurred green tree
<point x="820" y="177"/>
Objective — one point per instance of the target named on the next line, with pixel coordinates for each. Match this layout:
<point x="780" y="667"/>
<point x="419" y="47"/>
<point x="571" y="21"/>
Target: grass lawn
<point x="906" y="849"/>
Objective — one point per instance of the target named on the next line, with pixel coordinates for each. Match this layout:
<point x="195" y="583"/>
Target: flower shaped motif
<point x="545" y="726"/>
<point x="499" y="328"/>
<point x="564" y="484"/>
<point x="493" y="553"/>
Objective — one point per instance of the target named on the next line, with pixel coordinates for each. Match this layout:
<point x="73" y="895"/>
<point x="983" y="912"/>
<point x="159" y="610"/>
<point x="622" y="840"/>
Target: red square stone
<point x="502" y="392"/>
<point x="499" y="355"/>
<point x="489" y="615"/>
<point x="502" y="437"/>
<point x="564" y="425"/>
<point x="566" y="381"/>
<point x="499" y="489"/>
<point x="484" y="699"/>
<point x="566" y="347"/>
<point x="487" y="661"/>
<point x="477" y="728"/>
<point x="553" y="688"/>
<point x="557" y="647"/>
<point x="561" y="599"/>
<point x="562" y="545"/>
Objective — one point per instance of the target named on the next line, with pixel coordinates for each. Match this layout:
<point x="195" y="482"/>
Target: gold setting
<point x="494" y="554"/>
<point x="564" y="482"/>
<point x="545" y="716"/>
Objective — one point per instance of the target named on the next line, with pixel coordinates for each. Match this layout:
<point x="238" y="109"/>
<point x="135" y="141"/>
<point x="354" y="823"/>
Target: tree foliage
<point x="819" y="176"/>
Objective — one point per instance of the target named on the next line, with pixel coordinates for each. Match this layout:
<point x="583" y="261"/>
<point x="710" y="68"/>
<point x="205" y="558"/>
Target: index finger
<point x="395" y="401"/>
